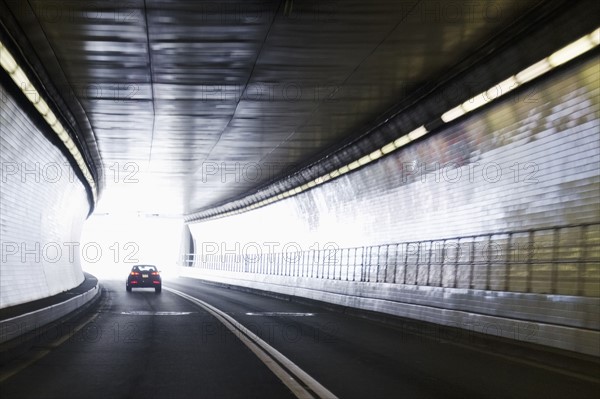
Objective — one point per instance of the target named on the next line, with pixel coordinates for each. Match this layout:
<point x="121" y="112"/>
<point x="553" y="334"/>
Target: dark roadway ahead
<point x="147" y="345"/>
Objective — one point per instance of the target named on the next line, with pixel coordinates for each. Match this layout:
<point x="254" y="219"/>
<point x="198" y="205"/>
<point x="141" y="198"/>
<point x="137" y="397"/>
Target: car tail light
<point x="154" y="273"/>
<point x="156" y="282"/>
<point x="134" y="282"/>
<point x="135" y="273"/>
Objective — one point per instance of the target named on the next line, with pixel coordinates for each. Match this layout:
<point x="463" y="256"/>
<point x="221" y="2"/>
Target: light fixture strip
<point x="17" y="74"/>
<point x="559" y="57"/>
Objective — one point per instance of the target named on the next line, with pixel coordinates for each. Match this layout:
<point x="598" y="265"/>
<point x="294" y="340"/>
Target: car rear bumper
<point x="144" y="283"/>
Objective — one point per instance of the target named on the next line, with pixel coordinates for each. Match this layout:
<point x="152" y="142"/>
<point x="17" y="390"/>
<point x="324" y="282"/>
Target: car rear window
<point x="145" y="268"/>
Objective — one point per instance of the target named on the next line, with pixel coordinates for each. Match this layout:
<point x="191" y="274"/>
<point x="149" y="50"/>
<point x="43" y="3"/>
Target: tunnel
<point x="298" y="198"/>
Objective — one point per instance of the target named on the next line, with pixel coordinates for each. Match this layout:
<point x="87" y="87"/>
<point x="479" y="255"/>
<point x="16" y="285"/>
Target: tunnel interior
<point x="428" y="161"/>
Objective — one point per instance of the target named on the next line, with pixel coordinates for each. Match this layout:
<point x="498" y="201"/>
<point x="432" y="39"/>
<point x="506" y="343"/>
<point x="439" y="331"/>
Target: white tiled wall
<point x="553" y="137"/>
<point x="40" y="213"/>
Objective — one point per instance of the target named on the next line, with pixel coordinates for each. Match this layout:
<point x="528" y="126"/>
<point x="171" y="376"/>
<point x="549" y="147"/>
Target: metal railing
<point x="555" y="260"/>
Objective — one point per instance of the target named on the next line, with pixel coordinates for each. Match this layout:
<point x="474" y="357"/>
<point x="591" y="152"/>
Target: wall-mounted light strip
<point x="386" y="149"/>
<point x="536" y="70"/>
<point x="17" y="74"/>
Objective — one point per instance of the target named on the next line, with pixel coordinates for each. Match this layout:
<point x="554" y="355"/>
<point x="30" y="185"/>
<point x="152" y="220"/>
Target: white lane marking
<point x="150" y="313"/>
<point x="293" y="314"/>
<point x="262" y="350"/>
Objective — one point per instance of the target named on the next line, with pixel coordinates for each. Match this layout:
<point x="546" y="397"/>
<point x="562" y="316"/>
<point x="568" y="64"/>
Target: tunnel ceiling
<point x="194" y="103"/>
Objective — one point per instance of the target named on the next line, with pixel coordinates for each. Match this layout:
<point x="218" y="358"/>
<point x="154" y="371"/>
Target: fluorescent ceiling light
<point x="7" y="61"/>
<point x="475" y="102"/>
<point x="20" y="78"/>
<point x="58" y="129"/>
<point x="50" y="118"/>
<point x="386" y="149"/>
<point x="353" y="165"/>
<point x="364" y="160"/>
<point x="595" y="37"/>
<point x="453" y="114"/>
<point x="418" y="132"/>
<point x="559" y="57"/>
<point x="31" y="93"/>
<point x="532" y="72"/>
<point x="571" y="51"/>
<point x="402" y="141"/>
<point x="375" y="155"/>
<point x="42" y="107"/>
<point x="17" y="74"/>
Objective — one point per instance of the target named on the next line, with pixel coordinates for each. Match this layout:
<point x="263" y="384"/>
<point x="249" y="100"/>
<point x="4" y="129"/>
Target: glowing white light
<point x="353" y="165"/>
<point x="7" y="61"/>
<point x="559" y="57"/>
<point x="19" y="77"/>
<point x="418" y="132"/>
<point x="58" y="129"/>
<point x="50" y="118"/>
<point x="452" y="114"/>
<point x="17" y="74"/>
<point x="595" y="37"/>
<point x="534" y="71"/>
<point x="364" y="160"/>
<point x="375" y="155"/>
<point x="571" y="51"/>
<point x="42" y="107"/>
<point x="402" y="141"/>
<point x="386" y="149"/>
<point x="475" y="102"/>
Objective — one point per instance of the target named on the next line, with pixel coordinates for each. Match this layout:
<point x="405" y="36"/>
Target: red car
<point x="144" y="276"/>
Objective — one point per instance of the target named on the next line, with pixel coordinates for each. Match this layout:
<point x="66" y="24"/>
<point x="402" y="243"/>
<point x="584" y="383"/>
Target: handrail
<point x="561" y="259"/>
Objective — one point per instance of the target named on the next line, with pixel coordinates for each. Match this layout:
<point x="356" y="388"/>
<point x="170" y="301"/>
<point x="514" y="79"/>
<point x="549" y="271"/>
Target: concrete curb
<point x="15" y="327"/>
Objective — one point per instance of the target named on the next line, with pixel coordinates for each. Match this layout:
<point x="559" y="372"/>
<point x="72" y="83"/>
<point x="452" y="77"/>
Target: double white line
<point x="296" y="379"/>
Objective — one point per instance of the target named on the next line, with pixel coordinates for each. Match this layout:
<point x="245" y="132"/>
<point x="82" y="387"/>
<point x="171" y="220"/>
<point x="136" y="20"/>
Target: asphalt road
<point x="147" y="345"/>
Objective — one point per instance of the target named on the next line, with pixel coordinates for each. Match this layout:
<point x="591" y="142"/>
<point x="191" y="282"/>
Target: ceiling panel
<point x="175" y="85"/>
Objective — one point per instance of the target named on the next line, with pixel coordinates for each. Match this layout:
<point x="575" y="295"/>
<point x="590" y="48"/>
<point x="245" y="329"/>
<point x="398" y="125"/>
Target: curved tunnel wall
<point x="43" y="207"/>
<point x="530" y="161"/>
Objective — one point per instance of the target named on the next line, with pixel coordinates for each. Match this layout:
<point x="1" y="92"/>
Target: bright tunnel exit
<point x="111" y="244"/>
